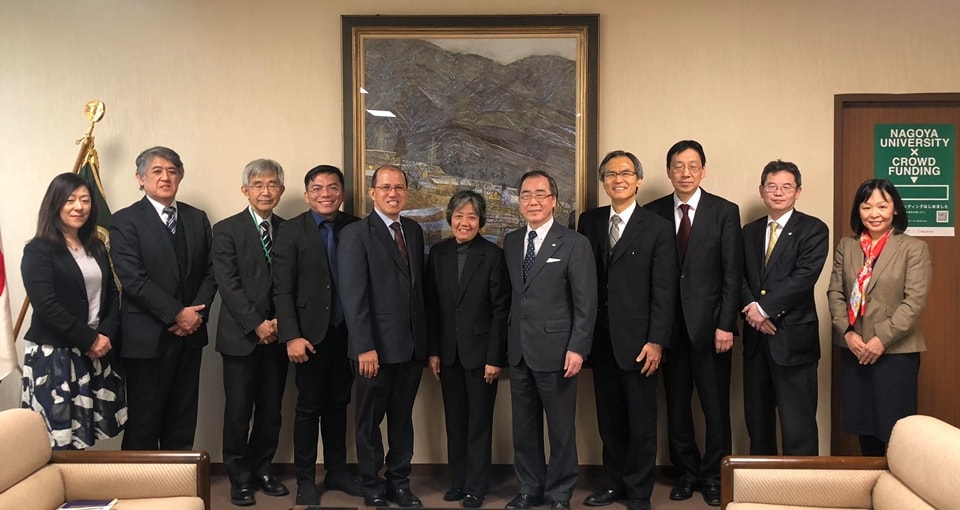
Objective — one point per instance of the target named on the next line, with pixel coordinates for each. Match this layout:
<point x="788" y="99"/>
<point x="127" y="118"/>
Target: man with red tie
<point x="710" y="262"/>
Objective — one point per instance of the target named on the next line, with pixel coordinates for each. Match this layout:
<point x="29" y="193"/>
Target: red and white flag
<point x="8" y="350"/>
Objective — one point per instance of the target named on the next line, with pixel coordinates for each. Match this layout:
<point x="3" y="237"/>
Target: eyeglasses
<point x="540" y="196"/>
<point x="612" y="176"/>
<point x="680" y="167"/>
<point x="786" y="189"/>
<point x="386" y="188"/>
<point x="259" y="187"/>
<point x="333" y="189"/>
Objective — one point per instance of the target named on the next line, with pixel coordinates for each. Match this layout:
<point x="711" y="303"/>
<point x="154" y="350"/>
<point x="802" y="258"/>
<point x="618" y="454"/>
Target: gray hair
<point x="638" y="168"/>
<point x="146" y="157"/>
<point x="464" y="197"/>
<point x="259" y="167"/>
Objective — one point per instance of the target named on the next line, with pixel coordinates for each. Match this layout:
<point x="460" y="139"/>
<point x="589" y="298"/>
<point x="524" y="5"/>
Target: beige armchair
<point x="35" y="477"/>
<point x="921" y="471"/>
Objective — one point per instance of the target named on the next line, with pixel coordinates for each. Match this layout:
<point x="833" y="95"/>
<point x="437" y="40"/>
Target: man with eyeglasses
<point x="254" y="363"/>
<point x="710" y="261"/>
<point x="311" y="326"/>
<point x="635" y="254"/>
<point x="784" y="254"/>
<point x="549" y="333"/>
<point x="381" y="270"/>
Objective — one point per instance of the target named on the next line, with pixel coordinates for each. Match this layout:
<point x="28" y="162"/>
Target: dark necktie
<point x="265" y="238"/>
<point x="683" y="233"/>
<point x="171" y="213"/>
<point x="330" y="245"/>
<point x="401" y="246"/>
<point x="531" y="254"/>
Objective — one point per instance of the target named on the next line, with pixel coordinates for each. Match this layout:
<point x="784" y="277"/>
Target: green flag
<point x="90" y="172"/>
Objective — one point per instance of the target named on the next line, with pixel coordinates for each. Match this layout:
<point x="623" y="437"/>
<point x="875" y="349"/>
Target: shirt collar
<point x="694" y="201"/>
<point x="157" y="206"/>
<point x="626" y="214"/>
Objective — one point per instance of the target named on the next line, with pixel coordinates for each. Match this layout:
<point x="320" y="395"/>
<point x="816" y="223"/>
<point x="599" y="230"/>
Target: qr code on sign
<point x="942" y="216"/>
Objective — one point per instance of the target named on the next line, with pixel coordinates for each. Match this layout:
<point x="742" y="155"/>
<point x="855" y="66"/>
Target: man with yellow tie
<point x="784" y="253"/>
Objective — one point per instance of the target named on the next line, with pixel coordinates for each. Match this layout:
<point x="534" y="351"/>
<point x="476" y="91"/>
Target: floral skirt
<point x="81" y="399"/>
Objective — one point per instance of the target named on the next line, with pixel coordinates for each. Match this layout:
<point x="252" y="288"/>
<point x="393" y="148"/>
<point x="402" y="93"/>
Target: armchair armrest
<point x="134" y="474"/>
<point x="800" y="481"/>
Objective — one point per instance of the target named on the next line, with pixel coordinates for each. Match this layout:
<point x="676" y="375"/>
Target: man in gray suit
<point x="550" y="331"/>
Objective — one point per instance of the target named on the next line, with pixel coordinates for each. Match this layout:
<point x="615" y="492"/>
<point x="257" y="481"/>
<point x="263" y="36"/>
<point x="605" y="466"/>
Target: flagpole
<point x="93" y="110"/>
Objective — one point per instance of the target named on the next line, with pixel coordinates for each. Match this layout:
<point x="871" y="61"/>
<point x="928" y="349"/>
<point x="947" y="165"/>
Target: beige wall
<point x="227" y="81"/>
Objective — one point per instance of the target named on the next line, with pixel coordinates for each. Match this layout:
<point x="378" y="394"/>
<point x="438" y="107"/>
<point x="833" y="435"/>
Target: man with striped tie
<point x="161" y="253"/>
<point x="254" y="363"/>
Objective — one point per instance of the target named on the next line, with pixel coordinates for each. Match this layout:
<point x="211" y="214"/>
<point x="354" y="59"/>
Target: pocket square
<point x="552" y="260"/>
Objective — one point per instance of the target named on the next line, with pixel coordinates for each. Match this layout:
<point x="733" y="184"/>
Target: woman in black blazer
<point x="467" y="294"/>
<point x="68" y="376"/>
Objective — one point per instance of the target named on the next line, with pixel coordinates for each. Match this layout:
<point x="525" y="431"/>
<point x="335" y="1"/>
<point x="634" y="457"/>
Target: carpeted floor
<point x="429" y="482"/>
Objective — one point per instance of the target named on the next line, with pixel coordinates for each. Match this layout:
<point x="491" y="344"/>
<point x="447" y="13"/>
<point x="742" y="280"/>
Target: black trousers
<point x="533" y="394"/>
<point x="710" y="372"/>
<point x="627" y="420"/>
<point x="390" y="394"/>
<point x="323" y="393"/>
<point x="162" y="396"/>
<point x="792" y="390"/>
<point x="468" y="409"/>
<point x="253" y="388"/>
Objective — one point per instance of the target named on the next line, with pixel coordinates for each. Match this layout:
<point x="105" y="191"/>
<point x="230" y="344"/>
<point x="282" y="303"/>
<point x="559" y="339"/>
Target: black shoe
<point x="471" y="501"/>
<point x="523" y="501"/>
<point x="638" y="504"/>
<point x="454" y="495"/>
<point x="271" y="486"/>
<point x="711" y="494"/>
<point x="560" y="504"/>
<point x="405" y="498"/>
<point x="307" y="494"/>
<point x="242" y="496"/>
<point x="602" y="498"/>
<point x="343" y="482"/>
<point x="683" y="489"/>
<point x="375" y="500"/>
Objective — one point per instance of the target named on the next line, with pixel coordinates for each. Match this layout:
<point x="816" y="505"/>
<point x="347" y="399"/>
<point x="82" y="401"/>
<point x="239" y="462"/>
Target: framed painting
<point x="471" y="102"/>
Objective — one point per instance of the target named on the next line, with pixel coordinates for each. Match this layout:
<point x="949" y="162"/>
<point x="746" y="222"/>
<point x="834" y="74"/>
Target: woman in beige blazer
<point x="877" y="291"/>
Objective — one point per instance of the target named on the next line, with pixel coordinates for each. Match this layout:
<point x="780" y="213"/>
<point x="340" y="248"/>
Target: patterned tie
<point x="683" y="233"/>
<point x="330" y="244"/>
<point x="615" y="222"/>
<point x="265" y="238"/>
<point x="772" y="242"/>
<point x="401" y="246"/>
<point x="531" y="254"/>
<point x="171" y="213"/>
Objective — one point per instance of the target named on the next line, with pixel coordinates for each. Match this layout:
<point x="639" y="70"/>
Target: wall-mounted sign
<point x="920" y="160"/>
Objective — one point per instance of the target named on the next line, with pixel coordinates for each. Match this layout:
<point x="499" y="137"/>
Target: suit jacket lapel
<point x="885" y="259"/>
<point x="470" y="266"/>
<point x="158" y="231"/>
<point x="380" y="232"/>
<point x="630" y="232"/>
<point x="550" y="245"/>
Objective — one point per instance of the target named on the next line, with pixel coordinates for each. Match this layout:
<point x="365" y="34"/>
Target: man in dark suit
<point x="254" y="364"/>
<point x="381" y="269"/>
<point x="635" y="252"/>
<point x="784" y="253"/>
<point x="710" y="258"/>
<point x="161" y="253"/>
<point x="468" y="292"/>
<point x="311" y="325"/>
<point x="549" y="332"/>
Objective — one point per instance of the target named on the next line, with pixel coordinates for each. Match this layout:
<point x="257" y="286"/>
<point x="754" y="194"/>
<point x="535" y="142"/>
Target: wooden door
<point x="856" y="115"/>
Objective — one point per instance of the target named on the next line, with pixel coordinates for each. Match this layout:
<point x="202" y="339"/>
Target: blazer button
<point x="523" y="319"/>
<point x="763" y="292"/>
<point x="683" y="275"/>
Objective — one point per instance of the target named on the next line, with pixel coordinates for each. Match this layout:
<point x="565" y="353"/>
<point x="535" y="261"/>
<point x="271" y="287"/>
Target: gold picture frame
<point x="471" y="102"/>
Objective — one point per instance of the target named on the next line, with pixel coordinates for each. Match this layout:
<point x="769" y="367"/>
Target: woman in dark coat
<point x="68" y="376"/>
<point x="468" y="297"/>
